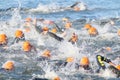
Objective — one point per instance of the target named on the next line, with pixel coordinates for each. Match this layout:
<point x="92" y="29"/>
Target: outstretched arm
<point x="75" y="4"/>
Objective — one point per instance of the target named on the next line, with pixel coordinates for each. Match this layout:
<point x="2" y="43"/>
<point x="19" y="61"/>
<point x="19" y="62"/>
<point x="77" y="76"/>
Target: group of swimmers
<point x="46" y="55"/>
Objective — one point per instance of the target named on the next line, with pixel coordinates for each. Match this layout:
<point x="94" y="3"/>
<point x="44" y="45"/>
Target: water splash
<point x="54" y="8"/>
<point x="107" y="74"/>
<point x="15" y="19"/>
<point x="68" y="50"/>
<point x="46" y="8"/>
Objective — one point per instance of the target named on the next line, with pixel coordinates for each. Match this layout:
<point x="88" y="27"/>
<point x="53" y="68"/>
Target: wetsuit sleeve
<point x="107" y="60"/>
<point x="74" y="4"/>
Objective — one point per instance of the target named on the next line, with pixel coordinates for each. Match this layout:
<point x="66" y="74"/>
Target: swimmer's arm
<point x="75" y="4"/>
<point x="57" y="27"/>
<point x="112" y="64"/>
<point x="70" y="7"/>
<point x="107" y="60"/>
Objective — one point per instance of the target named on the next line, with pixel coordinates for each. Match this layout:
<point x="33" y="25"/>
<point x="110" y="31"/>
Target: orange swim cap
<point x="45" y="28"/>
<point x="3" y="38"/>
<point x="18" y="33"/>
<point x="108" y="48"/>
<point x="93" y="31"/>
<point x="46" y="53"/>
<point x="118" y="32"/>
<point x="68" y="25"/>
<point x="26" y="46"/>
<point x="118" y="67"/>
<point x="56" y="78"/>
<point x="84" y="61"/>
<point x="54" y="30"/>
<point x="9" y="65"/>
<point x="87" y="26"/>
<point x="28" y="19"/>
<point x="70" y="59"/>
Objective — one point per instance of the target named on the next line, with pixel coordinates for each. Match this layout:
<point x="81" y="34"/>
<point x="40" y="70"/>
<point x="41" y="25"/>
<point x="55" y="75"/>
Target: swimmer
<point x="9" y="65"/>
<point x="3" y="40"/>
<point x="74" y="38"/>
<point x="27" y="47"/>
<point x="74" y="7"/>
<point x="101" y="60"/>
<point x="46" y="55"/>
<point x="92" y="31"/>
<point x="19" y="36"/>
<point x="85" y="63"/>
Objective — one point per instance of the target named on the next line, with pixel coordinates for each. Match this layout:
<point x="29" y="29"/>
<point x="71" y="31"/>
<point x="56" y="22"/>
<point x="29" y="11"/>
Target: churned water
<point x="97" y="12"/>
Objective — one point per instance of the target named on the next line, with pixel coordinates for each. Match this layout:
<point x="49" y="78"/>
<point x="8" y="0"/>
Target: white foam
<point x="50" y="74"/>
<point x="16" y="18"/>
<point x="46" y="8"/>
<point x="68" y="50"/>
<point x="82" y="6"/>
<point x="40" y="41"/>
<point x="107" y="73"/>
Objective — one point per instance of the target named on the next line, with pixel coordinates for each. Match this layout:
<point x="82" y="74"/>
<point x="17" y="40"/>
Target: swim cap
<point x="28" y="19"/>
<point x="56" y="78"/>
<point x="3" y="38"/>
<point x="45" y="28"/>
<point x="70" y="59"/>
<point x="9" y="65"/>
<point x="54" y="30"/>
<point x="118" y="32"/>
<point x="118" y="67"/>
<point x="26" y="46"/>
<point x="92" y="31"/>
<point x="84" y="61"/>
<point x="46" y="53"/>
<point x="87" y="26"/>
<point x="108" y="48"/>
<point x="18" y="33"/>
